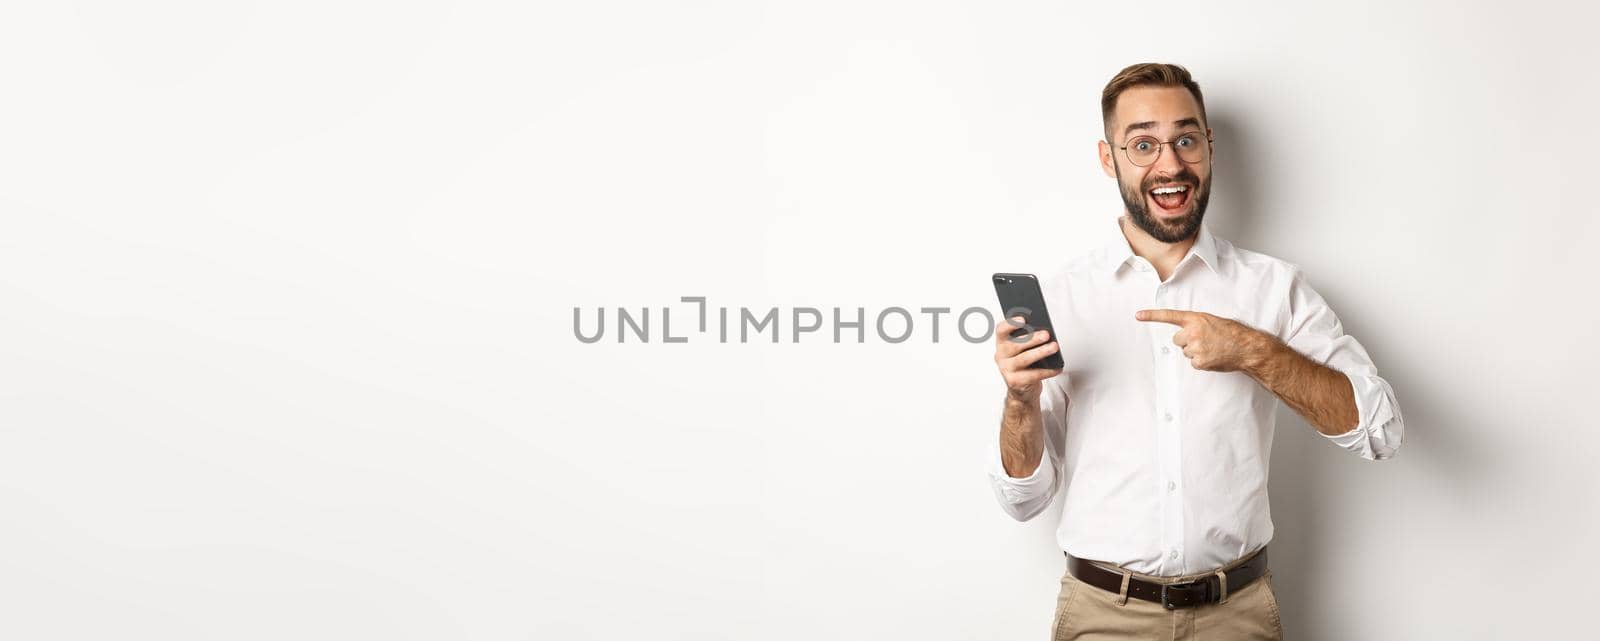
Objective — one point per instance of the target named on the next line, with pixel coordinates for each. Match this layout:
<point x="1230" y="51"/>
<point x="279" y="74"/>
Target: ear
<point x="1107" y="158"/>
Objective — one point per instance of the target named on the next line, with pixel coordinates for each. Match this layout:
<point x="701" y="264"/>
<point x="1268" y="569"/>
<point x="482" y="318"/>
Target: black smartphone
<point x="1020" y="296"/>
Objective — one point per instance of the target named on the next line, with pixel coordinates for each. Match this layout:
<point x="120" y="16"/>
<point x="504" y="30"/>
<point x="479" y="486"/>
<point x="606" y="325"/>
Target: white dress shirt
<point x="1162" y="468"/>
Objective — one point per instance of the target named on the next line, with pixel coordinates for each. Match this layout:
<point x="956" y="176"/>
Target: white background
<point x="286" y="298"/>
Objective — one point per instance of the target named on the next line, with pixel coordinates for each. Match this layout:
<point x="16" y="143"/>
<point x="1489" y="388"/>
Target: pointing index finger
<point x="1174" y="316"/>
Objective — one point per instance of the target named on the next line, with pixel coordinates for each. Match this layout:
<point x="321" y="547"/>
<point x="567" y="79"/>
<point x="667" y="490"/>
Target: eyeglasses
<point x="1143" y="151"/>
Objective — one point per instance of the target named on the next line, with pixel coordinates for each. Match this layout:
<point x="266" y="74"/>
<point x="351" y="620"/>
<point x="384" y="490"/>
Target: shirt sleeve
<point x="1025" y="498"/>
<point x="1314" y="330"/>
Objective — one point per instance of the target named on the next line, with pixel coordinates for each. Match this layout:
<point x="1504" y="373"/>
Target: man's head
<point x="1158" y="146"/>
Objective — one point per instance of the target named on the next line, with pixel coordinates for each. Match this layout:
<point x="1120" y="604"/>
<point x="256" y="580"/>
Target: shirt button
<point x="1173" y="554"/>
<point x="1165" y="349"/>
<point x="1171" y="486"/>
<point x="1167" y="416"/>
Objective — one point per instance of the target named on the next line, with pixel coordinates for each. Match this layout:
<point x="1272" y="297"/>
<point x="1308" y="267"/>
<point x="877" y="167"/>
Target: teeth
<point x="1169" y="190"/>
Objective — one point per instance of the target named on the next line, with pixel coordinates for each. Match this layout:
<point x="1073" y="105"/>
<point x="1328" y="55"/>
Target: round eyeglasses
<point x="1143" y="151"/>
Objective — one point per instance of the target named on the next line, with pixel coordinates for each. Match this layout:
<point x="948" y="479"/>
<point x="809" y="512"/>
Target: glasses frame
<point x="1160" y="148"/>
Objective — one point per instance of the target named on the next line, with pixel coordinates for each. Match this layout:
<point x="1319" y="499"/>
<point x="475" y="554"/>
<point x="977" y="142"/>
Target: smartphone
<point x="1020" y="296"/>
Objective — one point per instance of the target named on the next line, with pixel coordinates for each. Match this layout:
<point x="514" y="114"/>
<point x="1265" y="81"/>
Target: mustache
<point x="1184" y="177"/>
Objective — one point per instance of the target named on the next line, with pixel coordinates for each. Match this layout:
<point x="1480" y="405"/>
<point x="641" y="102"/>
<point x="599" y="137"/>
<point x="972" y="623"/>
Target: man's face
<point x="1167" y="198"/>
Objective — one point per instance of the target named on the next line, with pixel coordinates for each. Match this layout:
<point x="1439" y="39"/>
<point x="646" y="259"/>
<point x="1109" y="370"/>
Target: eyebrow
<point x="1151" y="124"/>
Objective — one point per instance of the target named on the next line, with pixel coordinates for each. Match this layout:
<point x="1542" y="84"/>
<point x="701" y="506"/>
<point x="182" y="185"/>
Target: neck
<point x="1163" y="256"/>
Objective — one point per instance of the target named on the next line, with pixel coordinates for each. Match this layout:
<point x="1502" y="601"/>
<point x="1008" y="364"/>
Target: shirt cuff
<point x="1373" y="414"/>
<point x="1019" y="490"/>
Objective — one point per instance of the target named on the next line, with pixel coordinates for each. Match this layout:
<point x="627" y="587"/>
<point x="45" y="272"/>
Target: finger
<point x="1008" y="348"/>
<point x="1181" y="338"/>
<point x="1023" y="360"/>
<point x="1174" y="316"/>
<point x="1012" y="346"/>
<point x="1002" y="339"/>
<point x="1023" y="333"/>
<point x="1031" y="376"/>
<point x="1003" y="329"/>
<point x="1190" y="352"/>
<point x="1028" y="357"/>
<point x="1009" y="323"/>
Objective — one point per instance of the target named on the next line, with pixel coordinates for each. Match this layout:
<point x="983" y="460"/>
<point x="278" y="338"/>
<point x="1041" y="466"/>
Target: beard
<point x="1167" y="231"/>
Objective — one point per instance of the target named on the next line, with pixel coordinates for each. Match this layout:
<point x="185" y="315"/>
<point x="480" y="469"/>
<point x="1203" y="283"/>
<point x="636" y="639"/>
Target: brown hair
<point x="1147" y="74"/>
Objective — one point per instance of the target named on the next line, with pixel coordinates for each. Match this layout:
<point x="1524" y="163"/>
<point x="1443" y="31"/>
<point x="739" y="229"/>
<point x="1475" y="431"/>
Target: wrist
<point x="1024" y="398"/>
<point x="1264" y="348"/>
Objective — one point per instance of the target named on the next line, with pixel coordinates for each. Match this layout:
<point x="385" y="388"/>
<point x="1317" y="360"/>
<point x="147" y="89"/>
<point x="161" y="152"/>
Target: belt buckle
<point x="1180" y="587"/>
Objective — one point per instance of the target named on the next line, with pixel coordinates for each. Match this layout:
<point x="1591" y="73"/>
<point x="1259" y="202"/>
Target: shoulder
<point x="1082" y="264"/>
<point x="1266" y="269"/>
<point x="1076" y="270"/>
<point x="1277" y="284"/>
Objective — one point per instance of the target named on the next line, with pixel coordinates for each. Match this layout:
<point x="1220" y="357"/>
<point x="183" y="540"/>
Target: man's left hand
<point x="1213" y="343"/>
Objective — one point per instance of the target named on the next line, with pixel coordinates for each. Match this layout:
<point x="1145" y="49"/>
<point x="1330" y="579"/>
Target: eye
<point x="1187" y="141"/>
<point x="1142" y="145"/>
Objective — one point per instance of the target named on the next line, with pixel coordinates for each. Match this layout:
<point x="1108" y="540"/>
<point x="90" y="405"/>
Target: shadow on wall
<point x="1310" y="479"/>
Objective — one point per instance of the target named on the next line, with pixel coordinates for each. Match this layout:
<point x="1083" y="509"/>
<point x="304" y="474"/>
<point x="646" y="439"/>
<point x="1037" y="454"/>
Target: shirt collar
<point x="1118" y="252"/>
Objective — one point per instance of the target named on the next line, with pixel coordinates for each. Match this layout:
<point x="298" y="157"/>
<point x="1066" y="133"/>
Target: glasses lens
<point x="1143" y="150"/>
<point x="1191" y="147"/>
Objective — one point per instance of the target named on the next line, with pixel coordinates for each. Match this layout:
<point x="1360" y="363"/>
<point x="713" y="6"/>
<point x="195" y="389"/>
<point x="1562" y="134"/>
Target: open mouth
<point x="1170" y="199"/>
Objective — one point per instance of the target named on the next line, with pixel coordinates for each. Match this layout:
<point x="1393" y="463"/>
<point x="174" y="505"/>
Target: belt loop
<point x="1223" y="578"/>
<point x="1122" y="597"/>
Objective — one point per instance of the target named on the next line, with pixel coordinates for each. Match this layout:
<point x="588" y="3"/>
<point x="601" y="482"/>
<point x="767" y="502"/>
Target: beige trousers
<point x="1088" y="613"/>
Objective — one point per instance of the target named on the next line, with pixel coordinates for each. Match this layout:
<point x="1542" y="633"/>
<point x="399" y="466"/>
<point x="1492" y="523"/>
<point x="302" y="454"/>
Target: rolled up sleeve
<point x="1024" y="498"/>
<point x="1314" y="330"/>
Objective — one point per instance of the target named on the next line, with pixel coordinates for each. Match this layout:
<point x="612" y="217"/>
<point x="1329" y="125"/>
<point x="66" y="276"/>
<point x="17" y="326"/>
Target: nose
<point x="1168" y="163"/>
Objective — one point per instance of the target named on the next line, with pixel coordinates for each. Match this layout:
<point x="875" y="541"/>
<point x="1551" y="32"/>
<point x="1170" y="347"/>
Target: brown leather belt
<point x="1171" y="595"/>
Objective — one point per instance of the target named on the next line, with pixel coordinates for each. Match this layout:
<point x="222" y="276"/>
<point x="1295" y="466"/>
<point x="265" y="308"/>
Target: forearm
<point x="1021" y="436"/>
<point x="1320" y="394"/>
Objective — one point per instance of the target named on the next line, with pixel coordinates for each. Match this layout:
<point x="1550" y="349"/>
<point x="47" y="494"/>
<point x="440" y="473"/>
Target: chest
<point x="1113" y="360"/>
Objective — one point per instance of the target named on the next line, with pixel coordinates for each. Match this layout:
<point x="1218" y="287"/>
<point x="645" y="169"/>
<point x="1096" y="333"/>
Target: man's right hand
<point x="1014" y="357"/>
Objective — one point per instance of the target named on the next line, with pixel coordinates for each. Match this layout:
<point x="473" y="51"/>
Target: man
<point x="1157" y="433"/>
